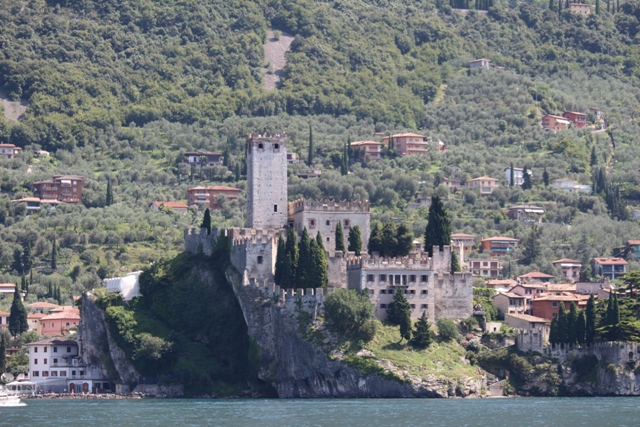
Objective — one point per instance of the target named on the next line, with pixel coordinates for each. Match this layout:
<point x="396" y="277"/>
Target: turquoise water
<point x="518" y="412"/>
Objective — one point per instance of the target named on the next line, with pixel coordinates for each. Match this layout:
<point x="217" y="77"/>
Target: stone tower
<point x="266" y="181"/>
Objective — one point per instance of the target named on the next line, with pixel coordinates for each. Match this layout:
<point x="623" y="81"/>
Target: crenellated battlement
<point x="256" y="137"/>
<point x="381" y="263"/>
<point x="328" y="206"/>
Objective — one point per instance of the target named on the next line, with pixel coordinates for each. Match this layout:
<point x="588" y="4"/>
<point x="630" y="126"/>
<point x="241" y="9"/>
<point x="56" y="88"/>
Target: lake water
<point x="517" y="412"/>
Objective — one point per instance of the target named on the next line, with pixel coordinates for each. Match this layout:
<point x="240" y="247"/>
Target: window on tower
<point x="276" y="146"/>
<point x="260" y="146"/>
<point x="275" y="208"/>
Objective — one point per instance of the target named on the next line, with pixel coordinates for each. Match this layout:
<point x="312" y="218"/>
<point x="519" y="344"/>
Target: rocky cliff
<point x="98" y="347"/>
<point x="297" y="368"/>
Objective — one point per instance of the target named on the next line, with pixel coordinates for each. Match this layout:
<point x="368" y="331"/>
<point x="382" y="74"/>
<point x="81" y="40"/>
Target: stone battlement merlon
<point x="328" y="206"/>
<point x="382" y="263"/>
<point x="256" y="137"/>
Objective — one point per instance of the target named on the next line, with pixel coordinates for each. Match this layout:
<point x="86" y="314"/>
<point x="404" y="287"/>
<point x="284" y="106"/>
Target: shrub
<point x="447" y="329"/>
<point x="350" y="314"/>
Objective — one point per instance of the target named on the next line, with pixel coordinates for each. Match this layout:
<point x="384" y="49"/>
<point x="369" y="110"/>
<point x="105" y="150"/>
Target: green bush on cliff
<point x="350" y="314"/>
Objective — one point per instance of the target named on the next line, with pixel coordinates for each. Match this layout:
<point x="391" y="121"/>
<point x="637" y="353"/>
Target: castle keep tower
<point x="266" y="180"/>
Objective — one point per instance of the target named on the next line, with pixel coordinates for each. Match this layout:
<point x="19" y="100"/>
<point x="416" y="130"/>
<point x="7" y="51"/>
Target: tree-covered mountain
<point x="119" y="90"/>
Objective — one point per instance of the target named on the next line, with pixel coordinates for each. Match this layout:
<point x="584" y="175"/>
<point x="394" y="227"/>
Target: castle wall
<point x="337" y="271"/>
<point x="453" y="295"/>
<point x="267" y="181"/>
<point x="196" y="237"/>
<point x="531" y="340"/>
<point x="323" y="217"/>
<point x="617" y="353"/>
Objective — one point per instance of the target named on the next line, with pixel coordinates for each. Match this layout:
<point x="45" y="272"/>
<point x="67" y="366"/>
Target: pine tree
<point x="545" y="177"/>
<point x="422" y="332"/>
<point x="355" y="240"/>
<point x="206" y="221"/>
<point x="54" y="254"/>
<point x="581" y="328"/>
<point x="455" y="264"/>
<point x="310" y="159"/>
<point x="438" y="230"/>
<point x="590" y="323"/>
<point x="404" y="240"/>
<point x="339" y="238"/>
<point x="532" y="249"/>
<point x="305" y="261"/>
<point x="281" y="255"/>
<point x="563" y="324"/>
<point x="18" y="317"/>
<point x="109" y="197"/>
<point x="572" y="320"/>
<point x="526" y="179"/>
<point x="375" y="240"/>
<point x="512" y="179"/>
<point x="389" y="240"/>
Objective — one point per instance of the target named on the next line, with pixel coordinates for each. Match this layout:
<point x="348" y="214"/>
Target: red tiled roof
<point x="36" y="316"/>
<point x="42" y="304"/>
<point x="214" y="187"/>
<point x="462" y="236"/>
<point x="633" y="242"/>
<point x="359" y="143"/>
<point x="484" y="178"/>
<point x="610" y="261"/>
<point x="66" y="314"/>
<point x="536" y="275"/>
<point x="557" y="298"/>
<point x="500" y="238"/>
<point x="509" y="294"/>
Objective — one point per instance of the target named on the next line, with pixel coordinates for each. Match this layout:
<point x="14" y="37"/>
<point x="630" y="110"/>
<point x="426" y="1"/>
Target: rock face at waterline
<point x="296" y="367"/>
<point x="98" y="348"/>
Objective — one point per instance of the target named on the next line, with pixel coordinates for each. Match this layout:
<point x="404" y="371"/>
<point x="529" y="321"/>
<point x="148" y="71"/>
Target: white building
<point x="571" y="185"/>
<point x="55" y="365"/>
<point x="518" y="175"/>
<point x="128" y="286"/>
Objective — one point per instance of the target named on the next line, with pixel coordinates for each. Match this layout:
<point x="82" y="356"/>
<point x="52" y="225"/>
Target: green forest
<point x="118" y="90"/>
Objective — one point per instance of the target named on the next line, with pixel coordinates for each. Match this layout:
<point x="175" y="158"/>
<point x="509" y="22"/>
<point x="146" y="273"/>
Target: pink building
<point x="407" y="144"/>
<point x="570" y="268"/>
<point x="361" y="149"/>
<point x="59" y="320"/>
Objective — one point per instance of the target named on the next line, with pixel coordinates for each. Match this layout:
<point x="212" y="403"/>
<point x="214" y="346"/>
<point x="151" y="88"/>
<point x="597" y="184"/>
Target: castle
<point x="425" y="281"/>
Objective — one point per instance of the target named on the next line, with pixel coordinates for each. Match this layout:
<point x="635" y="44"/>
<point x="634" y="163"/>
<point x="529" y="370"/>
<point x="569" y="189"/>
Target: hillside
<point x="118" y="90"/>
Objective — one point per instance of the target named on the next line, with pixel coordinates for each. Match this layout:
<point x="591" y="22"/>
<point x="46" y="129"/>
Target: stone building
<point x="266" y="180"/>
<point x="323" y="217"/>
<point x="425" y="281"/>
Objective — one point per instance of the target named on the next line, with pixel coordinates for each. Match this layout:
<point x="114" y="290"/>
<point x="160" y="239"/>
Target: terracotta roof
<point x="534" y="285"/>
<point x="633" y="242"/>
<point x="509" y="294"/>
<point x="358" y="143"/>
<point x="557" y="298"/>
<point x="567" y="287"/>
<point x="526" y="207"/>
<point x="54" y="341"/>
<point x="214" y="187"/>
<point x="500" y="238"/>
<point x="203" y="153"/>
<point x="42" y="304"/>
<point x="494" y="282"/>
<point x="5" y="314"/>
<point x="610" y="261"/>
<point x="7" y="285"/>
<point x="36" y="316"/>
<point x="575" y="112"/>
<point x="527" y="317"/>
<point x="566" y="260"/>
<point x="173" y="205"/>
<point x="462" y="236"/>
<point x="484" y="178"/>
<point x="63" y="308"/>
<point x="73" y="314"/>
<point x="407" y="134"/>
<point x="536" y="275"/>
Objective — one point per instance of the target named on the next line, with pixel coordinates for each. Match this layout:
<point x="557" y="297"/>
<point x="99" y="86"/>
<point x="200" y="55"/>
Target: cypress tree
<point x="566" y="4"/>
<point x="597" y="7"/>
<point x="26" y="257"/>
<point x="287" y="278"/>
<point x="590" y="323"/>
<point x="512" y="179"/>
<point x="226" y="155"/>
<point x="616" y="310"/>
<point x="581" y="328"/>
<point x="438" y="230"/>
<point x="17" y="263"/>
<point x="320" y="270"/>
<point x="545" y="177"/>
<point x="109" y="197"/>
<point x="23" y="283"/>
<point x="375" y="240"/>
<point x="339" y="238"/>
<point x="206" y="221"/>
<point x="3" y="353"/>
<point x="50" y="293"/>
<point x="551" y="4"/>
<point x="559" y="7"/>
<point x="608" y="5"/>
<point x="422" y="332"/>
<point x="455" y="264"/>
<point x="609" y="316"/>
<point x="553" y="332"/>
<point x="310" y="159"/>
<point x="280" y="260"/>
<point x="572" y="320"/>
<point x="618" y="6"/>
<point x="305" y="261"/>
<point x="18" y="317"/>
<point x="389" y="240"/>
<point x="399" y="313"/>
<point x="54" y="254"/>
<point x="594" y="157"/>
<point x="526" y="179"/>
<point x="293" y="252"/>
<point x="532" y="249"/>
<point x="355" y="240"/>
<point x="237" y="171"/>
<point x="404" y="240"/>
<point x="563" y="325"/>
